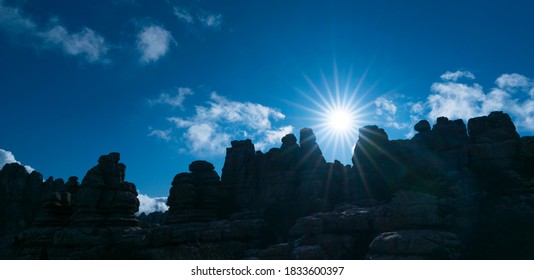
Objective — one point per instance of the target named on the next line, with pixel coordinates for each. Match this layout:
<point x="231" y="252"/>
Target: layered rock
<point x="194" y="196"/>
<point x="91" y="220"/>
<point x="495" y="128"/>
<point x="444" y="194"/>
<point x="20" y="199"/>
<point x="239" y="176"/>
<point x="104" y="198"/>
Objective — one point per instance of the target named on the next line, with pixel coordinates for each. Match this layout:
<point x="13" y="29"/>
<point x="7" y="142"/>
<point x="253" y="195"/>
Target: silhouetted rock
<point x="311" y="154"/>
<point x="94" y="220"/>
<point x="443" y="194"/>
<point x="422" y="126"/>
<point x="495" y="128"/>
<point x="104" y="198"/>
<point x="193" y="196"/>
<point x="21" y="195"/>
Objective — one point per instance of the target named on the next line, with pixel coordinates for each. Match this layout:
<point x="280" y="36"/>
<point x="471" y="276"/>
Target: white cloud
<point x="149" y="204"/>
<point x="183" y="15"/>
<point x="273" y="137"/>
<point x="464" y="101"/>
<point x="511" y="81"/>
<point x="212" y="127"/>
<point x="161" y="134"/>
<point x="416" y="108"/>
<point x="386" y="110"/>
<point x="8" y="157"/>
<point x="153" y="42"/>
<point x="210" y="20"/>
<point x="174" y="101"/>
<point x="454" y="76"/>
<point x="206" y="139"/>
<point x="86" y="43"/>
<point x="455" y="100"/>
<point x="385" y="106"/>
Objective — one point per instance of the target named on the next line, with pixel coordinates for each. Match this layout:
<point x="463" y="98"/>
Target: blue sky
<point x="168" y="82"/>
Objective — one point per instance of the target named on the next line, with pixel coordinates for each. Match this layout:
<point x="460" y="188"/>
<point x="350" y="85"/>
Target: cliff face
<point x="452" y="191"/>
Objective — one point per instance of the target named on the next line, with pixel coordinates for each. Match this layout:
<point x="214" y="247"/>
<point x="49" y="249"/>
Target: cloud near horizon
<point x="512" y="93"/>
<point x="149" y="204"/>
<point x="211" y="128"/>
<point x="8" y="157"/>
<point x="86" y="43"/>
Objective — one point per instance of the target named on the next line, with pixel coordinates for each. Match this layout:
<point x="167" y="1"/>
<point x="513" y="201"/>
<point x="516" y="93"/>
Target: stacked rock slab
<point x="92" y="220"/>
<point x="372" y="164"/>
<point x="18" y="197"/>
<point x="104" y="198"/>
<point x="56" y="208"/>
<point x="239" y="176"/>
<point x="278" y="176"/>
<point x="312" y="171"/>
<point x="495" y="142"/>
<point x="194" y="196"/>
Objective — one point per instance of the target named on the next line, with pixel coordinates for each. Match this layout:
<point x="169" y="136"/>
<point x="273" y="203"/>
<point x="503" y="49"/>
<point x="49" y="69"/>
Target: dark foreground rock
<point x="451" y="192"/>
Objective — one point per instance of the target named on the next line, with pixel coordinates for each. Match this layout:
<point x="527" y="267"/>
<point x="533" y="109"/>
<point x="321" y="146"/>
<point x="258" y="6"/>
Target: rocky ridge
<point x="451" y="192"/>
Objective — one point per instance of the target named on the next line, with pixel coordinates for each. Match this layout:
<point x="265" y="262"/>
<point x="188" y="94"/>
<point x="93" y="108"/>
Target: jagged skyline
<point x="168" y="83"/>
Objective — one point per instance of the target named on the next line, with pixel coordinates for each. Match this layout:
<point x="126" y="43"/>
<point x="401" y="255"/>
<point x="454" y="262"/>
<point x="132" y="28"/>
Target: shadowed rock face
<point x="495" y="128"/>
<point x="104" y="198"/>
<point x="193" y="196"/>
<point x="444" y="194"/>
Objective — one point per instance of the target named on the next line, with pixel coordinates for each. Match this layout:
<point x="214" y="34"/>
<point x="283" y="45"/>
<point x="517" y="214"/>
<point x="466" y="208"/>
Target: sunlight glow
<point x="340" y="120"/>
<point x="337" y="112"/>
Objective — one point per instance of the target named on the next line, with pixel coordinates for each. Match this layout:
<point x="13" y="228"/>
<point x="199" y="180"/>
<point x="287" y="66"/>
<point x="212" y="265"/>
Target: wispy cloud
<point x="210" y="20"/>
<point x="176" y="100"/>
<point x="454" y="76"/>
<point x="386" y="110"/>
<point x="385" y="106"/>
<point x="153" y="42"/>
<point x="14" y="21"/>
<point x="211" y="128"/>
<point x="198" y="17"/>
<point x="149" y="204"/>
<point x="183" y="15"/>
<point x="85" y="43"/>
<point x="8" y="157"/>
<point x="161" y="134"/>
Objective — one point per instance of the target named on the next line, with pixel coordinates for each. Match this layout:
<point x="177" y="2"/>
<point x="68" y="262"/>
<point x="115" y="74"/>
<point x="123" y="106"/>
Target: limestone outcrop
<point x="450" y="192"/>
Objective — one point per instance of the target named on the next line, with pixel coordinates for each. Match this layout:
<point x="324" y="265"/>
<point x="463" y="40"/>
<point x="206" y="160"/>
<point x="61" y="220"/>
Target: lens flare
<point x="337" y="112"/>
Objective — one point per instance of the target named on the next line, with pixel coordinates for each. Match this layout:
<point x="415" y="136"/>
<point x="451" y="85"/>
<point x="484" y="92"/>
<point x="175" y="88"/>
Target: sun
<point x="336" y="112"/>
<point x="340" y="121"/>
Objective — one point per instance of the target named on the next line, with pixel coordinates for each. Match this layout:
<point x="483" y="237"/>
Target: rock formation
<point x="83" y="221"/>
<point x="451" y="192"/>
<point x="104" y="198"/>
<point x="193" y="196"/>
